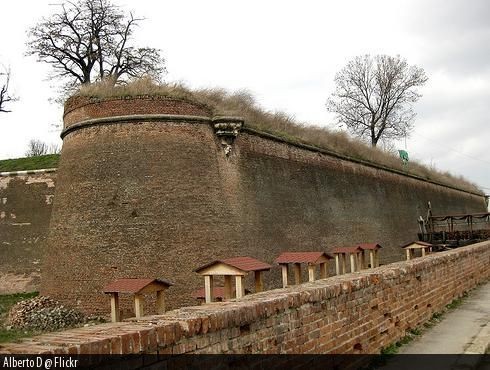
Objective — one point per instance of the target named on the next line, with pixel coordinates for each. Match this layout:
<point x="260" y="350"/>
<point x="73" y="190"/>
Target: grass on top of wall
<point x="242" y="103"/>
<point x="29" y="163"/>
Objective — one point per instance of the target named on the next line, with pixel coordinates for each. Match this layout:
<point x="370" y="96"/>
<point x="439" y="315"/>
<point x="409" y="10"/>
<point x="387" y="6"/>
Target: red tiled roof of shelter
<point x="425" y="244"/>
<point x="301" y="257"/>
<point x="347" y="249"/>
<point x="369" y="246"/>
<point x="132" y="285"/>
<point x="241" y="263"/>
<point x="247" y="263"/>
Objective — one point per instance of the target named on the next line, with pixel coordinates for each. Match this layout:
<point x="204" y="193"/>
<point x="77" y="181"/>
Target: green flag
<point x="403" y="155"/>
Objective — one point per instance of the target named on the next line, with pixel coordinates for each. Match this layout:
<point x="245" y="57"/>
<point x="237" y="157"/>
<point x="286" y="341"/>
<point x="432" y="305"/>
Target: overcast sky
<point x="287" y="54"/>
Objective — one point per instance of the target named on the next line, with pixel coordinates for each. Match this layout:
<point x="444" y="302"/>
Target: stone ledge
<point x="133" y="118"/>
<point x="28" y="172"/>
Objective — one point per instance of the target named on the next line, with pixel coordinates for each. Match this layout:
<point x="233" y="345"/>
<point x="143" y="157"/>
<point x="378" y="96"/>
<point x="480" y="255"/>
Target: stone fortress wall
<point x="156" y="187"/>
<point x="26" y="199"/>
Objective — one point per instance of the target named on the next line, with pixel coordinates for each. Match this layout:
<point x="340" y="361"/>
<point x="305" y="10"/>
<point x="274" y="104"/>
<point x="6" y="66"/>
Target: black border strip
<point x="250" y="361"/>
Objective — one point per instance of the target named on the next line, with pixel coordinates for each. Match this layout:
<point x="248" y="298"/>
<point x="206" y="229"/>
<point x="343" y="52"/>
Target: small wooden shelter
<point x="411" y="247"/>
<point x="341" y="253"/>
<point x="138" y="287"/>
<point x="237" y="267"/>
<point x="312" y="259"/>
<point x="373" y="249"/>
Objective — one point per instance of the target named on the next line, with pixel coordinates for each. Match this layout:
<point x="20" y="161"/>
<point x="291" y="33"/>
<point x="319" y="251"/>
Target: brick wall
<point x="353" y="313"/>
<point x="25" y="208"/>
<point x="78" y="109"/>
<point x="157" y="196"/>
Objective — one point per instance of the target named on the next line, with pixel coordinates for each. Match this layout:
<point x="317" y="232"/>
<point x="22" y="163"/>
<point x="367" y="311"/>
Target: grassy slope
<point x="6" y="302"/>
<point x="29" y="163"/>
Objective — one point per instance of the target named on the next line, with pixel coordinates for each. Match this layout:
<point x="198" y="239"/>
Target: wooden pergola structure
<point x="138" y="287"/>
<point x="373" y="249"/>
<point x="353" y="253"/>
<point x="411" y="247"/>
<point x="450" y="221"/>
<point x="312" y="259"/>
<point x="457" y="229"/>
<point x="237" y="267"/>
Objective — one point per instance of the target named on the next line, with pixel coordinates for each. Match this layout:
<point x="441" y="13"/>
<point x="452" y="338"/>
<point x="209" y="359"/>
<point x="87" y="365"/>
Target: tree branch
<point x="373" y="96"/>
<point x="89" y="40"/>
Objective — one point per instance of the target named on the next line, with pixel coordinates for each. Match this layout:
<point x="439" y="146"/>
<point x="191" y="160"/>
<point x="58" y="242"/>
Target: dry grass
<point x="243" y="104"/>
<point x="141" y="87"/>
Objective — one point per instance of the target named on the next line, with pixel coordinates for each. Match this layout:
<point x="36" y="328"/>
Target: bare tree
<point x="37" y="148"/>
<point x="90" y="40"/>
<point x="5" y="96"/>
<point x="374" y="95"/>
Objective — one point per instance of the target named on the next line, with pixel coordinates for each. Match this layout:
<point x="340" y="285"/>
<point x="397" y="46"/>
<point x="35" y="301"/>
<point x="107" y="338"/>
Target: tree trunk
<point x="374" y="140"/>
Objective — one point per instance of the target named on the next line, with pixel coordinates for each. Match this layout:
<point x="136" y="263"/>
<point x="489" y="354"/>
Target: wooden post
<point x="371" y="258"/>
<point x="284" y="269"/>
<point x="470" y="220"/>
<point x="259" y="283"/>
<point x="423" y="252"/>
<point x="337" y="264"/>
<point x="407" y="251"/>
<point x="311" y="272"/>
<point x="227" y="288"/>
<point x="323" y="270"/>
<point x="208" y="288"/>
<point x="352" y="263"/>
<point x="160" y="302"/>
<point x="360" y="260"/>
<point x="297" y="273"/>
<point x="344" y="263"/>
<point x="240" y="292"/>
<point x="376" y="257"/>
<point x="138" y="305"/>
<point x="115" y="317"/>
